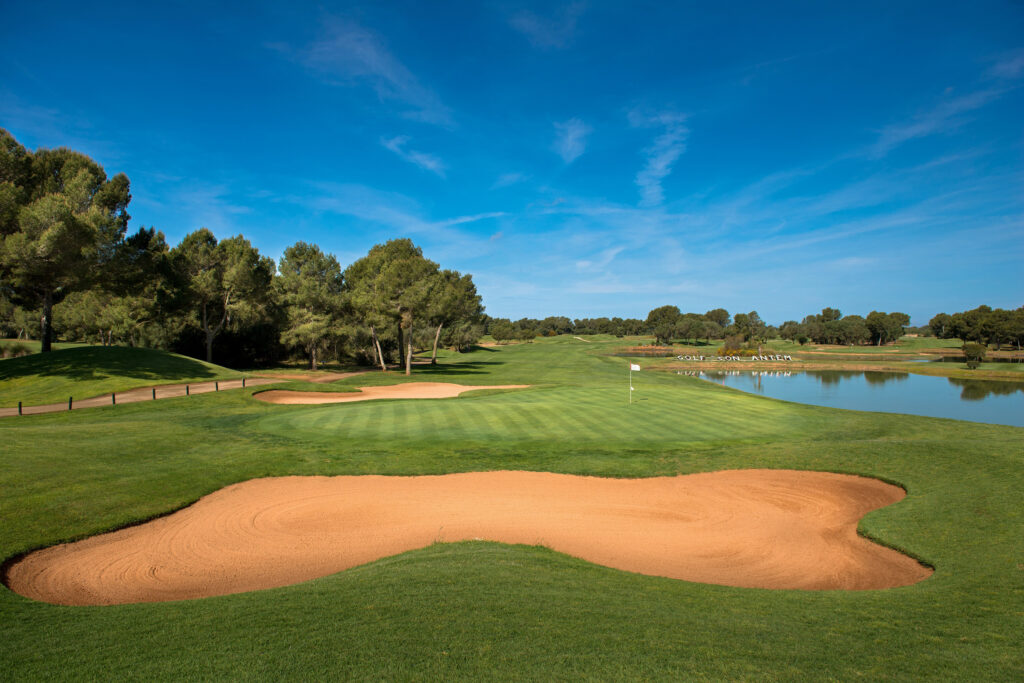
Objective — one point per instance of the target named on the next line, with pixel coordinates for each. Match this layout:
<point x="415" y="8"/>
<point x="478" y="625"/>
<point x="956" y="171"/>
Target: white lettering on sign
<point x="736" y="358"/>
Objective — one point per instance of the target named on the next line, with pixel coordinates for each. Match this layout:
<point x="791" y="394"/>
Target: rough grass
<point x="87" y="371"/>
<point x="488" y="611"/>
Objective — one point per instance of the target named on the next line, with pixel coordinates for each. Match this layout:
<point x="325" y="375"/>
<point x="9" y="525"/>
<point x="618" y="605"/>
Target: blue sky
<point x="582" y="158"/>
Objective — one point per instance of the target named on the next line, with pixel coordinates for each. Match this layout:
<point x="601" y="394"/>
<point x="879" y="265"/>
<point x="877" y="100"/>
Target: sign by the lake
<point x="735" y="358"/>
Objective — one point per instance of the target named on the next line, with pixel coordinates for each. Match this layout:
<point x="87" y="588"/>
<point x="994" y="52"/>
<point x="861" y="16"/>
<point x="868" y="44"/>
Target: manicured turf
<point x="87" y="371"/>
<point x="483" y="610"/>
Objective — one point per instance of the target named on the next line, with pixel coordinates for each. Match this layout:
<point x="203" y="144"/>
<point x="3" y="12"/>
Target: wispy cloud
<point x="945" y="117"/>
<point x="601" y="260"/>
<point x="555" y="32"/>
<point x="396" y="214"/>
<point x="428" y="162"/>
<point x="661" y="155"/>
<point x="508" y="179"/>
<point x="349" y="54"/>
<point x="459" y="220"/>
<point x="571" y="139"/>
<point x="1011" y="66"/>
<point x="42" y="126"/>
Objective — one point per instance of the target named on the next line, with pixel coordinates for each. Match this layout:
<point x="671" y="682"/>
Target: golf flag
<point x="632" y="367"/>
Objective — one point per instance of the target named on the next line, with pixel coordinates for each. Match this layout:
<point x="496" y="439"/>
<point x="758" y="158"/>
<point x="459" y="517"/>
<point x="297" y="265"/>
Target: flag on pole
<point x="632" y="367"/>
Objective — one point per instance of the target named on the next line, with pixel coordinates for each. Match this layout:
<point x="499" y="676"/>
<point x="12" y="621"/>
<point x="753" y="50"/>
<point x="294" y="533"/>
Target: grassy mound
<point x="480" y="610"/>
<point x="93" y="370"/>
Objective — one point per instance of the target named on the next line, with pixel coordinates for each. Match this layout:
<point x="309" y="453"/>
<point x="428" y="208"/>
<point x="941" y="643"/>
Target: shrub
<point x="14" y="350"/>
<point x="974" y="353"/>
<point x="733" y="343"/>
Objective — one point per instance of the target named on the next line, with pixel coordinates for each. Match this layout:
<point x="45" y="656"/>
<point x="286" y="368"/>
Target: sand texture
<point x="409" y="390"/>
<point x="753" y="528"/>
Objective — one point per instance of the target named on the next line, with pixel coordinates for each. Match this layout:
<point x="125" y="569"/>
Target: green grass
<point x="903" y="345"/>
<point x="87" y="371"/>
<point x="489" y="611"/>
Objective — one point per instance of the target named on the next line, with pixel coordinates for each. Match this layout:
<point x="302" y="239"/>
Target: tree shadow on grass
<point x="467" y="368"/>
<point x="99" y="362"/>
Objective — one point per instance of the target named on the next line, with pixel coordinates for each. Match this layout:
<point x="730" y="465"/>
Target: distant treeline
<point x="983" y="325"/>
<point x="668" y="324"/>
<point x="69" y="268"/>
<point x="832" y="327"/>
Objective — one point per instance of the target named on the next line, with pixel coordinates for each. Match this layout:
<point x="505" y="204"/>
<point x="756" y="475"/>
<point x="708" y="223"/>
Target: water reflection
<point x="874" y="378"/>
<point x="996" y="402"/>
<point x="978" y="389"/>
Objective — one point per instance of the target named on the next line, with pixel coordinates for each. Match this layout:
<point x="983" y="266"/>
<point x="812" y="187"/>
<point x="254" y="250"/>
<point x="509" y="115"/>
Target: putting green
<point x="593" y="413"/>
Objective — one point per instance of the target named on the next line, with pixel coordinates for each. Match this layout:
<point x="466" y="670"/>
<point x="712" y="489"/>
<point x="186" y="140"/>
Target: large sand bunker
<point x="409" y="390"/>
<point x="754" y="528"/>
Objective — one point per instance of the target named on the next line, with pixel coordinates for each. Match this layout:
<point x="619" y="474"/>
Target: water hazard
<point x="993" y="402"/>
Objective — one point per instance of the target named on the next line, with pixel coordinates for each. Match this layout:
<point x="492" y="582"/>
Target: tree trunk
<point x="312" y="358"/>
<point x="209" y="337"/>
<point x="401" y="343"/>
<point x="46" y="323"/>
<point x="408" y="354"/>
<point x="376" y="346"/>
<point x="437" y="337"/>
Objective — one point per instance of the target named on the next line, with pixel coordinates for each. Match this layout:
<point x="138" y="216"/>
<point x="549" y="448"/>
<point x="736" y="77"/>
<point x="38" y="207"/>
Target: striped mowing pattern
<point x="666" y="412"/>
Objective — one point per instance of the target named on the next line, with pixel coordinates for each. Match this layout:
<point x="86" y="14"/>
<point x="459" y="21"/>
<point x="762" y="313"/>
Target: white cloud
<point x="601" y="261"/>
<point x="507" y="179"/>
<point x="941" y="119"/>
<point x="428" y="162"/>
<point x="661" y="155"/>
<point x="349" y="53"/>
<point x="571" y="139"/>
<point x="549" y="32"/>
<point x="1009" y="67"/>
<point x="472" y="219"/>
<point x="400" y="215"/>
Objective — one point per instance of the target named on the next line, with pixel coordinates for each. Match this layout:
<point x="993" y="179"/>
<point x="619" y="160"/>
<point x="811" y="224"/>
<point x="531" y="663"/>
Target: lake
<point x="888" y="392"/>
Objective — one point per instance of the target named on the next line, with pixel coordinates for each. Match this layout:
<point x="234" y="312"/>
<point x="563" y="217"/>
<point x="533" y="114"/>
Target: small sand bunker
<point x="754" y="528"/>
<point x="410" y="390"/>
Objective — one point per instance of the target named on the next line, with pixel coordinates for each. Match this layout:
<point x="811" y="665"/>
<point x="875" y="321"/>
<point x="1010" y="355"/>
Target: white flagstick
<point x="632" y="367"/>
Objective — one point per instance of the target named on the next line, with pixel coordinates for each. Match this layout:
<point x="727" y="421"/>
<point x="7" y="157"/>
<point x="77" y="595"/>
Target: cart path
<point x="141" y="394"/>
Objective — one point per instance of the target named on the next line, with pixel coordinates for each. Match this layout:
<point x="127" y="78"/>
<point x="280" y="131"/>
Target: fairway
<point x="478" y="609"/>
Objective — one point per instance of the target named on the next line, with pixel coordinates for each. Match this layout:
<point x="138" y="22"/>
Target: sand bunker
<point x="410" y="390"/>
<point x="755" y="528"/>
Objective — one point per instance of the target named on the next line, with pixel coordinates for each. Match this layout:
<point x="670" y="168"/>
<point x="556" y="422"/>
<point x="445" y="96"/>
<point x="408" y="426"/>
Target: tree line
<point x="983" y="325"/>
<point x="742" y="330"/>
<point x="832" y="327"/>
<point x="68" y="266"/>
